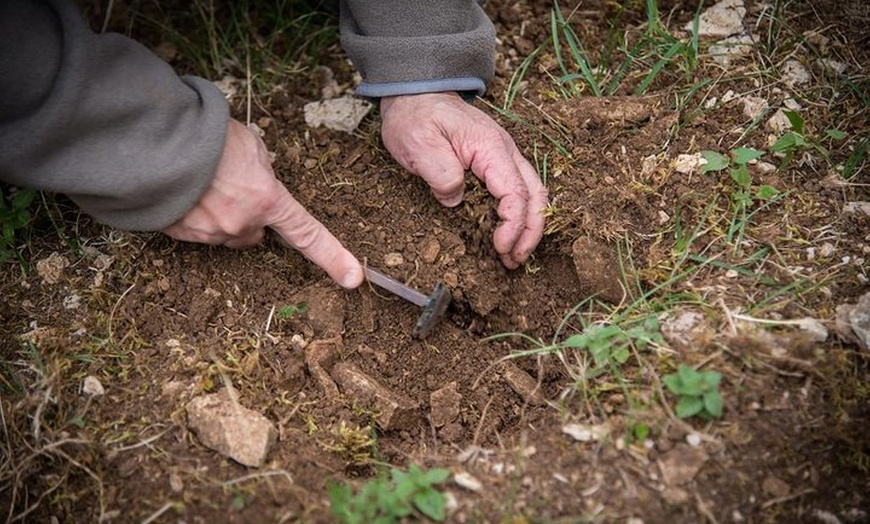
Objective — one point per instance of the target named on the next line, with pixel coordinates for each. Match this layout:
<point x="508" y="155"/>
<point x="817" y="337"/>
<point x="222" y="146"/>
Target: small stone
<point x="393" y="259"/>
<point x="586" y="433"/>
<point x="51" y="268"/>
<point x="814" y="327"/>
<point x="826" y="250"/>
<point x="175" y="482"/>
<point x="92" y="386"/>
<point x="795" y="74"/>
<point x="853" y="321"/>
<point x="724" y="51"/>
<point x="229" y="86"/>
<point x="753" y="106"/>
<point x="444" y="405"/>
<point x="466" y="481"/>
<point x="832" y="66"/>
<point x="430" y="251"/>
<point x="675" y="496"/>
<point x="339" y="114"/>
<point x="688" y="164"/>
<point x="680" y="465"/>
<point x="232" y="430"/>
<point x="722" y="19"/>
<point x="687" y="330"/>
<point x="857" y="207"/>
<point x="522" y="383"/>
<point x="693" y="439"/>
<point x="729" y="96"/>
<point x="72" y="301"/>
<point x="775" y="487"/>
<point x="778" y="123"/>
<point x="765" y="168"/>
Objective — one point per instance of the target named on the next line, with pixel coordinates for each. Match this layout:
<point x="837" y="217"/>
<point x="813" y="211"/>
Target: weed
<point x="746" y="195"/>
<point x="15" y="216"/>
<point x="698" y="392"/>
<point x="390" y="500"/>
<point x="293" y="310"/>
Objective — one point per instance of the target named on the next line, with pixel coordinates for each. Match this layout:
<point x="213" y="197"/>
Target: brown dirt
<point x="159" y="322"/>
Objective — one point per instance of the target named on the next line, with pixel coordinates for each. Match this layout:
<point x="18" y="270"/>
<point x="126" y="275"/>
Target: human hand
<point x="439" y="136"/>
<point x="245" y="198"/>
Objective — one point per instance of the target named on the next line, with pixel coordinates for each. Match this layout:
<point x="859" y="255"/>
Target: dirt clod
<point x="597" y="269"/>
<point x="395" y="411"/>
<point x="444" y="405"/>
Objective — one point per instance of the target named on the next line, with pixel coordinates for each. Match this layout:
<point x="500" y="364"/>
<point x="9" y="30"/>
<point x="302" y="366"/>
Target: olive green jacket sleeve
<point x="102" y="119"/>
<point x="418" y="46"/>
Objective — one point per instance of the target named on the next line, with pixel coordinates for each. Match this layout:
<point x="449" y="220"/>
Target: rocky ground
<point x="153" y="381"/>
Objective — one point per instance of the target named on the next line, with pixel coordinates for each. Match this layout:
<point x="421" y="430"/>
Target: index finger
<point x="296" y="226"/>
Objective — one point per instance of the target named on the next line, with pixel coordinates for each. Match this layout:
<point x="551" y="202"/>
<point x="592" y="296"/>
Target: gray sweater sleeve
<point x="418" y="46"/>
<point x="101" y="119"/>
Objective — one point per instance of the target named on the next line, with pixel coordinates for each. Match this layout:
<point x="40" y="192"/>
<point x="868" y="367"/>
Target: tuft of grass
<point x="273" y="39"/>
<point x="15" y="219"/>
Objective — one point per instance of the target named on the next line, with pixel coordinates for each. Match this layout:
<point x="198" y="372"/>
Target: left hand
<point x="439" y="136"/>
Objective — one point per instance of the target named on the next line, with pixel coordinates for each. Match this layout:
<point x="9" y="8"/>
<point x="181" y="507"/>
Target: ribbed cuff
<point x="464" y="86"/>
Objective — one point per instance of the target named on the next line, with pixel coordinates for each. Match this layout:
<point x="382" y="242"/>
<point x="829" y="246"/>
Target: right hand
<point x="245" y="197"/>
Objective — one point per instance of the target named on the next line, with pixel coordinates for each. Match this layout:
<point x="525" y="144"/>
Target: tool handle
<point x="396" y="287"/>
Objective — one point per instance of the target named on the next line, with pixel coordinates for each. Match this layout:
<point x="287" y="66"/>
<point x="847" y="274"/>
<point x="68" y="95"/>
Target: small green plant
<point x="610" y="344"/>
<point x="797" y="139"/>
<point x="746" y="194"/>
<point x="14" y="216"/>
<point x="390" y="500"/>
<point x="293" y="310"/>
<point x="698" y="392"/>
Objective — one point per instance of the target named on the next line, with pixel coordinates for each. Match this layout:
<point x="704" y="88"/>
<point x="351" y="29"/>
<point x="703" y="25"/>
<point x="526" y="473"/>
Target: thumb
<point x="298" y="228"/>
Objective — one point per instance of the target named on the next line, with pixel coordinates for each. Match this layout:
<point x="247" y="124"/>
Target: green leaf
<point x="766" y="192"/>
<point x="711" y="379"/>
<point x="796" y="120"/>
<point x="744" y="155"/>
<point x="431" y="503"/>
<point x="621" y="355"/>
<point x="715" y="161"/>
<point x="23" y="199"/>
<point x="713" y="403"/>
<point x="435" y="476"/>
<point x="740" y="175"/>
<point x="673" y="383"/>
<point x="689" y="406"/>
<point x="785" y="144"/>
<point x="580" y="341"/>
<point x="238" y="502"/>
<point x="835" y="134"/>
<point x="641" y="432"/>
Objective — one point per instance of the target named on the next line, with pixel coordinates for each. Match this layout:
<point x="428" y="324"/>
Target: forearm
<point x="408" y="47"/>
<point x="101" y="119"/>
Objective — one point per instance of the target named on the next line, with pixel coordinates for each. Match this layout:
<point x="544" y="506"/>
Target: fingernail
<point x="352" y="278"/>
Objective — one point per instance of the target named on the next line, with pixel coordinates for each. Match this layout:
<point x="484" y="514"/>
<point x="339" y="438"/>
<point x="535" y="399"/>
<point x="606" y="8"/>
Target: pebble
<point x="393" y="259"/>
<point x="723" y="19"/>
<point x="693" y="439"/>
<point x="339" y="114"/>
<point x="92" y="386"/>
<point x="688" y="164"/>
<point x="795" y="74"/>
<point x="465" y="480"/>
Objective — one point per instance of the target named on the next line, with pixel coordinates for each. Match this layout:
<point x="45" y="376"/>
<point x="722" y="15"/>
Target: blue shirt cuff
<point x="463" y="85"/>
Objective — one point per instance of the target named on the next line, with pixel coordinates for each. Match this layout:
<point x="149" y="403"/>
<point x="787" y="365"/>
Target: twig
<point x="252" y="476"/>
<point x="156" y="515"/>
<point x="115" y="308"/>
<point x="786" y="498"/>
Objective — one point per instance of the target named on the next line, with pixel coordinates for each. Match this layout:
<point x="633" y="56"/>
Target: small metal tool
<point x="434" y="306"/>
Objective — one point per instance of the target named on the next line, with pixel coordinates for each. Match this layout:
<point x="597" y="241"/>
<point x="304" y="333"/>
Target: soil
<point x="159" y="322"/>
